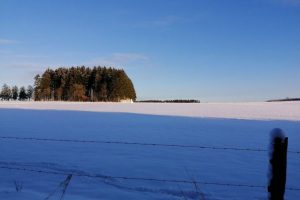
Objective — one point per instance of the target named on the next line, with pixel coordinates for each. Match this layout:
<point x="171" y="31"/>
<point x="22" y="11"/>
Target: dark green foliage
<point x="15" y="93"/>
<point x="37" y="89"/>
<point x="171" y="101"/>
<point x="5" y="93"/>
<point x="29" y="92"/>
<point x="83" y="84"/>
<point x="22" y="94"/>
<point x="286" y="99"/>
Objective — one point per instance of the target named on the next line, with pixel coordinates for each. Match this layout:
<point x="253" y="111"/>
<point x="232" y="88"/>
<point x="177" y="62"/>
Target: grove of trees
<point x="171" y="101"/>
<point x="83" y="84"/>
<point x="8" y="93"/>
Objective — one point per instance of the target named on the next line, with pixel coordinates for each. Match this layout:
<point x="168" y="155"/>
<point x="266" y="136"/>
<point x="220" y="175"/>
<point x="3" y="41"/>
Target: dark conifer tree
<point x="6" y="93"/>
<point x="45" y="85"/>
<point x="22" y="94"/>
<point x="29" y="92"/>
<point x="15" y="93"/>
<point x="37" y="88"/>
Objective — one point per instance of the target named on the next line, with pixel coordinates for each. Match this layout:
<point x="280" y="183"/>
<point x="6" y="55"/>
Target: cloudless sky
<point x="212" y="50"/>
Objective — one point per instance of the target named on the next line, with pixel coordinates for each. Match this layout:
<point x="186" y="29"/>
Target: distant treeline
<point x="286" y="99"/>
<point x="170" y="101"/>
<point x="83" y="84"/>
<point x="8" y="93"/>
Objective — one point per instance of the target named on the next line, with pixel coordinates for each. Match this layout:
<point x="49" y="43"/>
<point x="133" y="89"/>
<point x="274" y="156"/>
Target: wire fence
<point x="139" y="144"/>
<point x="139" y="178"/>
<point x="90" y="175"/>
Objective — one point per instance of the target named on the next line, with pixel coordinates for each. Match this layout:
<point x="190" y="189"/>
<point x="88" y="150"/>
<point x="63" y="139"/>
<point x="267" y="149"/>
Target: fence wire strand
<point x="138" y="143"/>
<point x="136" y="178"/>
<point x="139" y="178"/>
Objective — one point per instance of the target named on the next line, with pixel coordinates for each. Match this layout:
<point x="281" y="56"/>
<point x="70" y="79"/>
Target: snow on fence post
<point x="278" y="164"/>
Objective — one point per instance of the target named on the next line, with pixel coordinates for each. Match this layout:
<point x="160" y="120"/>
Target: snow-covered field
<point x="259" y="110"/>
<point x="213" y="125"/>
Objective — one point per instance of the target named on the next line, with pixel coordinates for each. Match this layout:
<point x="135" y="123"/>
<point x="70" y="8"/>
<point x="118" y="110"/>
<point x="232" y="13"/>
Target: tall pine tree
<point x="15" y="93"/>
<point x="6" y="93"/>
<point x="22" y="94"/>
<point x="29" y="92"/>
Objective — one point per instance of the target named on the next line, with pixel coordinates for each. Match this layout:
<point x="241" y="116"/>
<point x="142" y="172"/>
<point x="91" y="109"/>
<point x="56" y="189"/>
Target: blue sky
<point x="212" y="50"/>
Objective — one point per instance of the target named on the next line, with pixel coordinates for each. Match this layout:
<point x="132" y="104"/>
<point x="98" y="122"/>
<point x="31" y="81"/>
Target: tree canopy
<point x="83" y="84"/>
<point x="8" y="93"/>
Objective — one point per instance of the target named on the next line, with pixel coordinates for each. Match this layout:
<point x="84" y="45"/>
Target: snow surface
<point x="259" y="110"/>
<point x="121" y="122"/>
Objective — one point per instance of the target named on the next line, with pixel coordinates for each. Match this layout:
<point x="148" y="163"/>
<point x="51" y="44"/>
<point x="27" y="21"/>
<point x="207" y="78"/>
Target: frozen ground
<point x="120" y="122"/>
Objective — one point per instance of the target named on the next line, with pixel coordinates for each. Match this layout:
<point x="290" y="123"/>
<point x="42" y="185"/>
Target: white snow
<point x="184" y="124"/>
<point x="258" y="110"/>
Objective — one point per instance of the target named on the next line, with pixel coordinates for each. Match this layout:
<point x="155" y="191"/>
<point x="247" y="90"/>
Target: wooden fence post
<point x="278" y="165"/>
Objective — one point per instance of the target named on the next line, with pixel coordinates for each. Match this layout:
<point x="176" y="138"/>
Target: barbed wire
<point x="139" y="178"/>
<point x="139" y="143"/>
